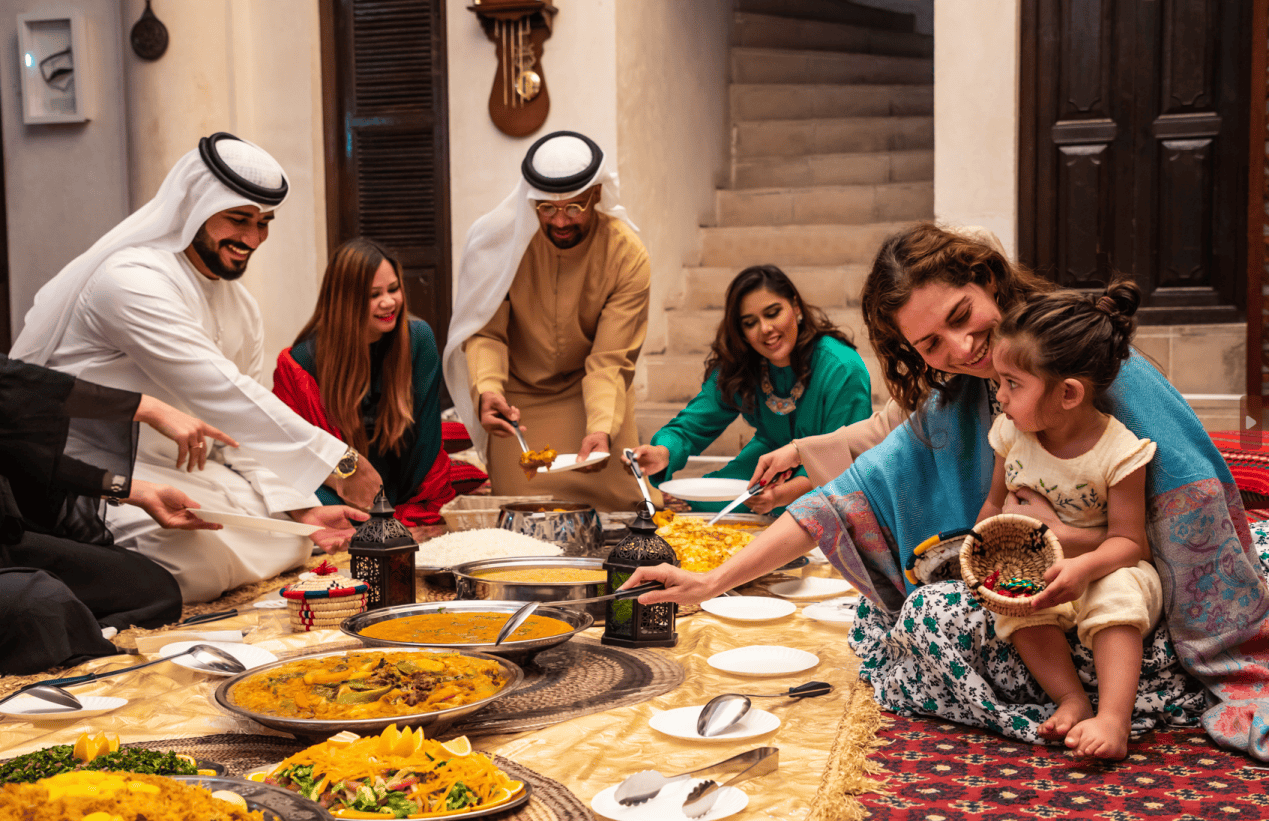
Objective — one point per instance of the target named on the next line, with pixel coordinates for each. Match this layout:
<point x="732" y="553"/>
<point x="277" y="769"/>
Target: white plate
<point x="271" y="604"/>
<point x="568" y="461"/>
<point x="30" y="708"/>
<point x="256" y="522"/>
<point x="811" y="587"/>
<point x="748" y="608"/>
<point x="763" y="660"/>
<point x="249" y="655"/>
<point x="705" y="489"/>
<point x="681" y="723"/>
<point x="668" y="804"/>
<point x="833" y="611"/>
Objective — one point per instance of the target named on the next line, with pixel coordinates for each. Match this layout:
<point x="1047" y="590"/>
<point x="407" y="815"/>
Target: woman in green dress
<point x="782" y="365"/>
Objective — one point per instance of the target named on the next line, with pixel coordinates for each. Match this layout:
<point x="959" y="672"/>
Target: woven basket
<point x="478" y="512"/>
<point x="324" y="601"/>
<point x="1019" y="547"/>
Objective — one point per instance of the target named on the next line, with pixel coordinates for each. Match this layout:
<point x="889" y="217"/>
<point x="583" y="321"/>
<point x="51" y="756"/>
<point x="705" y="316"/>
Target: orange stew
<point x="462" y="628"/>
<point x="367" y="684"/>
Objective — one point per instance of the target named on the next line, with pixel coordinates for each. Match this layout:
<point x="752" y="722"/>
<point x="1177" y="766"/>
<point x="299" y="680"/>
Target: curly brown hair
<point x="922" y="254"/>
<point x="738" y="365"/>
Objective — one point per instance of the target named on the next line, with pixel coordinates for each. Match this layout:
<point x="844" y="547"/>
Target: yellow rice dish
<point x="367" y="684"/>
<point x="110" y="796"/>
<point x="701" y="547"/>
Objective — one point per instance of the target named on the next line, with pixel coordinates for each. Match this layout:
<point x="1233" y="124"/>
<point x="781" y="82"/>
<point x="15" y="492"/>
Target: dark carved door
<point x="1134" y="150"/>
<point x="387" y="156"/>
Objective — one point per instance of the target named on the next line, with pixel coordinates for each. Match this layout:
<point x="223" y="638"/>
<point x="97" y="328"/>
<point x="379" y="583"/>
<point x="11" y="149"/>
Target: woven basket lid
<point x="328" y="583"/>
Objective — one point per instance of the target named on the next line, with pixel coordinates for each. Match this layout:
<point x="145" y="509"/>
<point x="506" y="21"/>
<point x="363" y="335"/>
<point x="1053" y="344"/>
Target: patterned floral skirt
<point x="940" y="656"/>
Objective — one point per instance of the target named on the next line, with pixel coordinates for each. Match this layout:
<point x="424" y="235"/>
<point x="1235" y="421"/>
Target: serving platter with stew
<point x="466" y="625"/>
<point x="365" y="690"/>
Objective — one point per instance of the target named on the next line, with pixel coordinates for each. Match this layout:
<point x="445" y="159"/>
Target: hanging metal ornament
<point x="149" y="35"/>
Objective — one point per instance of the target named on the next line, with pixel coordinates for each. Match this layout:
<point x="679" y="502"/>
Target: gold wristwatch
<point x="347" y="464"/>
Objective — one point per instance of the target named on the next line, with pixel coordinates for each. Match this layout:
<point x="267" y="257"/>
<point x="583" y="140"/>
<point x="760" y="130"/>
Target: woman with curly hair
<point x="365" y="372"/>
<point x="782" y="365"/>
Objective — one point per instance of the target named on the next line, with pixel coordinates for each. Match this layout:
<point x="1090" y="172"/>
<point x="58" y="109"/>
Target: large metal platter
<point x="518" y="651"/>
<point x="309" y="727"/>
<point x="274" y="803"/>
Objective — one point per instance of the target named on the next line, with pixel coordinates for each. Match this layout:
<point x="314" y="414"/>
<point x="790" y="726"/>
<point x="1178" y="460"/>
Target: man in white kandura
<point x="550" y="312"/>
<point x="154" y="306"/>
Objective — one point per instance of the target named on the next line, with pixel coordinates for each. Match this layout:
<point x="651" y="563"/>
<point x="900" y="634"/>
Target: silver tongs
<point x="702" y="797"/>
<point x="750" y="492"/>
<point x="647" y="784"/>
<point x="638" y="474"/>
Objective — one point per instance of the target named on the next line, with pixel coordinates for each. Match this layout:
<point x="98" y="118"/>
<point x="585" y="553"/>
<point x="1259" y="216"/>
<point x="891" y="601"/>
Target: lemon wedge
<point x="89" y="747"/>
<point x="458" y="746"/>
<point x="231" y="798"/>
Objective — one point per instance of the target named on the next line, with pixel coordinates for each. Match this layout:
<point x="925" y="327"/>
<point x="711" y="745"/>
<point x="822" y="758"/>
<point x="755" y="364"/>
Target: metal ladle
<point x="49" y="693"/>
<point x="519" y="616"/>
<point x="721" y="713"/>
<point x="212" y="658"/>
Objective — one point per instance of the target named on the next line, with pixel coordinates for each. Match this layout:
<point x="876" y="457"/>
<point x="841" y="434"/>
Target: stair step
<point x="827" y="205"/>
<point x="827" y="286"/>
<point x="834" y="169"/>
<point x="793" y="138"/>
<point x="793" y="245"/>
<point x="690" y="333"/>
<point x="838" y="11"/>
<point x="771" y="65"/>
<point x="780" y="101"/>
<point x="771" y="31"/>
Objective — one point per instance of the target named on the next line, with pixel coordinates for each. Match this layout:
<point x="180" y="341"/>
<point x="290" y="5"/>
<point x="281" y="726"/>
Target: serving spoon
<point x="49" y="693"/>
<point x="210" y="657"/>
<point x="526" y="609"/>
<point x="721" y="713"/>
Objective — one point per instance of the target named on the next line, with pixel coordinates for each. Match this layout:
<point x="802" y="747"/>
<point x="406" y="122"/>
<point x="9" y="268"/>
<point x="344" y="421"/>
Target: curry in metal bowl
<point x="368" y="689"/>
<point x="466" y="625"/>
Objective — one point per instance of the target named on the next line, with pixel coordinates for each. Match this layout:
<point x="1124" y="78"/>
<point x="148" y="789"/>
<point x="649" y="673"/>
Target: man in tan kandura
<point x="550" y="311"/>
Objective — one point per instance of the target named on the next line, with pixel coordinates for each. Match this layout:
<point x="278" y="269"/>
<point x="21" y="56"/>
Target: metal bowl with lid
<point x="517" y="651"/>
<point x="574" y="526"/>
<point x="433" y="721"/>
<point x="472" y="582"/>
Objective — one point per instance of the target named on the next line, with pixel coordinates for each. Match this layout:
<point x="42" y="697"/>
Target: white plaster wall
<point x="976" y="115"/>
<point x="672" y="58"/>
<point x="65" y="184"/>
<point x="253" y="69"/>
<point x="581" y="76"/>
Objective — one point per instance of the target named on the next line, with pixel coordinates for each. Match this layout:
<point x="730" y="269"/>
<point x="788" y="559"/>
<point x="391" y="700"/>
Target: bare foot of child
<point x="1100" y="737"/>
<point x="1071" y="711"/>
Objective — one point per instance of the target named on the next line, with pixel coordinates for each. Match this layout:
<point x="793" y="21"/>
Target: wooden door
<point x="1134" y="150"/>
<point x="387" y="155"/>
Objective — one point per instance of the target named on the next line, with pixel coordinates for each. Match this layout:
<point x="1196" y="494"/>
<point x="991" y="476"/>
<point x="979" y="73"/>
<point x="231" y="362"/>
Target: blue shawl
<point x="898" y="493"/>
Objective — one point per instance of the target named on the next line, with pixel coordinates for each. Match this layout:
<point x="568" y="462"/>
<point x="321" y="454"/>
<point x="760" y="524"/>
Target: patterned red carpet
<point x="939" y="771"/>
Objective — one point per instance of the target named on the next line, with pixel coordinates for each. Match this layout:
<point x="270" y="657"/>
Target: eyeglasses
<point x="573" y="210"/>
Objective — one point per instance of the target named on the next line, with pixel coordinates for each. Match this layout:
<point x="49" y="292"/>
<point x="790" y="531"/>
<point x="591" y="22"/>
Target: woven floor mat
<point x="240" y="754"/>
<point x="577" y="678"/>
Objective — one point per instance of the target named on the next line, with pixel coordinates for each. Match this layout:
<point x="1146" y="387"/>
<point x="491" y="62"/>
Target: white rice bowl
<point x="464" y="546"/>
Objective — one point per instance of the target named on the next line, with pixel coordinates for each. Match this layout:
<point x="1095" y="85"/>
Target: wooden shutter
<point x="387" y="159"/>
<point x="1134" y="150"/>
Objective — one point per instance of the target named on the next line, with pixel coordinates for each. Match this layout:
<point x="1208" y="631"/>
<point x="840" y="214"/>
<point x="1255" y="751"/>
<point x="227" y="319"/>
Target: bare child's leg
<point x="1117" y="655"/>
<point x="1047" y="654"/>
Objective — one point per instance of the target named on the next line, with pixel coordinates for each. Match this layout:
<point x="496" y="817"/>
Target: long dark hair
<point x="1073" y="335"/>
<point x="738" y="365"/>
<point x="920" y="255"/>
<point x="340" y="328"/>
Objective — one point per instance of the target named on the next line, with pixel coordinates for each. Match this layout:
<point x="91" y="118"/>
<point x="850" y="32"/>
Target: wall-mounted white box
<point x="55" y="67"/>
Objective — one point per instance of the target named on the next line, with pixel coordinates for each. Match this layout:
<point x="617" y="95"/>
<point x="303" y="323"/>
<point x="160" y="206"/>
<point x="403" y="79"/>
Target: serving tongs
<point x="702" y="797"/>
<point x="526" y="610"/>
<point x="749" y="493"/>
<point x="645" y="785"/>
<point x="638" y="474"/>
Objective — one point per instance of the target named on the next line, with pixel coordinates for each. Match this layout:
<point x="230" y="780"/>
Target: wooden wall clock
<point x="518" y="101"/>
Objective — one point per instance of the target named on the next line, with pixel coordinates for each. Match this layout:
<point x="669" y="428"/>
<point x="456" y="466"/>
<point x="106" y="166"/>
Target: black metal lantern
<point x="383" y="557"/>
<point x="629" y="623"/>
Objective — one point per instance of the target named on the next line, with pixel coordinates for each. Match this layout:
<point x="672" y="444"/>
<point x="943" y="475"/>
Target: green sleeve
<point x="694" y="428"/>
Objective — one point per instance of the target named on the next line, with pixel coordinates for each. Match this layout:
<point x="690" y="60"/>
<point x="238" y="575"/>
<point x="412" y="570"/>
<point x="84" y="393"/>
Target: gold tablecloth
<point x="587" y="754"/>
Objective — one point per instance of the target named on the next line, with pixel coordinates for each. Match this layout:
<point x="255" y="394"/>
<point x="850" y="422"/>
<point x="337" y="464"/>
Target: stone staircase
<point x="832" y="150"/>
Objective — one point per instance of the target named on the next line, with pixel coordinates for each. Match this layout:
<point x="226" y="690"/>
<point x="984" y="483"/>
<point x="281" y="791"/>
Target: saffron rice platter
<point x="363" y="691"/>
<point x="467" y="626"/>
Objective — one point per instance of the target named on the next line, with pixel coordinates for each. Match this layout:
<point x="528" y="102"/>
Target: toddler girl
<point x="1056" y="355"/>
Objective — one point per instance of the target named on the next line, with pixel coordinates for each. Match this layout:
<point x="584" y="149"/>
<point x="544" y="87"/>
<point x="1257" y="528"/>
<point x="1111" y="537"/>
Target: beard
<point x="209" y="252"/>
